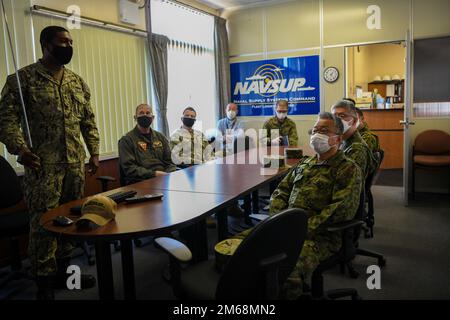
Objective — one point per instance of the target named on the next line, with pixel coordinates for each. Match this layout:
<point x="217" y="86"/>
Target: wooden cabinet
<point x="382" y="87"/>
<point x="385" y="123"/>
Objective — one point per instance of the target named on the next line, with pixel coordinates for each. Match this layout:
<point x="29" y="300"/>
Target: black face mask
<point x="144" y="121"/>
<point x="62" y="54"/>
<point x="188" y="122"/>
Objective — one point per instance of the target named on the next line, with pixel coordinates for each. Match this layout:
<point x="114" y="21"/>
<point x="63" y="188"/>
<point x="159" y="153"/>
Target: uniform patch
<point x="157" y="144"/>
<point x="143" y="145"/>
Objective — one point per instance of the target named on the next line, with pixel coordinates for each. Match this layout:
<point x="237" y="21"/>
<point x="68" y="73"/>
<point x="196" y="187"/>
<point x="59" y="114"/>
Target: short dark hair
<point x="347" y="105"/>
<point x="339" y="126"/>
<point x="359" y="112"/>
<point x="49" y="33"/>
<point x="351" y="100"/>
<point x="190" y="109"/>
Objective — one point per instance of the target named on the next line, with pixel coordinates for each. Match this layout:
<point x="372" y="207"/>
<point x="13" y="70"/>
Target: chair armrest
<point x="259" y="217"/>
<point x="341" y="226"/>
<point x="106" y="178"/>
<point x="174" y="248"/>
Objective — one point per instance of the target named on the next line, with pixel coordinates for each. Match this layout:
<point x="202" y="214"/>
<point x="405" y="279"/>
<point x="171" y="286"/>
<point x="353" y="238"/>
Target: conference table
<point x="189" y="196"/>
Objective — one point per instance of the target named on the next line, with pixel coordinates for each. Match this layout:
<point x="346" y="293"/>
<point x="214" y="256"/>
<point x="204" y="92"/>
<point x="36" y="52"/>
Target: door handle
<point x="407" y="122"/>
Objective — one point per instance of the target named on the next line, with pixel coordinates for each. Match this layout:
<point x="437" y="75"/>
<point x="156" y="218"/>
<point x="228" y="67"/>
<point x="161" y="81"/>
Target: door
<point x="406" y="122"/>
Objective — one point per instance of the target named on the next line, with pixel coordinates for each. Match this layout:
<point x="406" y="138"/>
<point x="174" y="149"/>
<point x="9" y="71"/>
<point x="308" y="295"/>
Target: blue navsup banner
<point x="257" y="85"/>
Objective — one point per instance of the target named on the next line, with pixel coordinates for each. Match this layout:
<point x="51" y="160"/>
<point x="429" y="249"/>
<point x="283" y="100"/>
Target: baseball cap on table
<point x="98" y="209"/>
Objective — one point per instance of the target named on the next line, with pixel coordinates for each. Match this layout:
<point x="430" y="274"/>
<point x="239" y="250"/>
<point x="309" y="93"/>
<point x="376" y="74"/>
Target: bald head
<point x="144" y="109"/>
<point x="231" y="107"/>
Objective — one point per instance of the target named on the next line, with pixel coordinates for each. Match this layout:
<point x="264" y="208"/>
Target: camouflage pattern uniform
<point x="141" y="155"/>
<point x="356" y="149"/>
<point x="370" y="138"/>
<point x="190" y="147"/>
<point x="286" y="128"/>
<point x="57" y="113"/>
<point x="329" y="192"/>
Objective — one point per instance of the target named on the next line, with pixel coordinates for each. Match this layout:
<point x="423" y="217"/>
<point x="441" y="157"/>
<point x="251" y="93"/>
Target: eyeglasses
<point x="320" y="130"/>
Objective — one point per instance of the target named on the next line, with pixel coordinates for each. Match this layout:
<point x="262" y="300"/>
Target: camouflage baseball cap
<point x="224" y="250"/>
<point x="99" y="210"/>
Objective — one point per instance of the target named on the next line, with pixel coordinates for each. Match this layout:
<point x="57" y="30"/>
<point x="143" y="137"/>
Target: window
<point x="431" y="78"/>
<point x="191" y="69"/>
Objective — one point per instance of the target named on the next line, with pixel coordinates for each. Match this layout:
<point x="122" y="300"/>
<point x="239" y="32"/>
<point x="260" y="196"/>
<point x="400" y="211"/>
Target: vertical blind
<point x="113" y="64"/>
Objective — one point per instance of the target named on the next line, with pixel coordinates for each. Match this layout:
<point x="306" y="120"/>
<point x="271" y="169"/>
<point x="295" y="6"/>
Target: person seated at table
<point x="189" y="146"/>
<point x="229" y="130"/>
<point x="143" y="152"/>
<point x="287" y="130"/>
<point x="353" y="145"/>
<point x="327" y="186"/>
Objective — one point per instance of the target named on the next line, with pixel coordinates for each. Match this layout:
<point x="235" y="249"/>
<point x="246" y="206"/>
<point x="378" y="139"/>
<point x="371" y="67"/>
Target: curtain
<point x="222" y="65"/>
<point x="158" y="57"/>
<point x="157" y="45"/>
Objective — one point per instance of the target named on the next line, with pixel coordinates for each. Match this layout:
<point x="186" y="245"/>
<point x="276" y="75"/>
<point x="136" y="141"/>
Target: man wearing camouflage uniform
<point x="189" y="146"/>
<point x="144" y="153"/>
<point x="327" y="186"/>
<point x="285" y="126"/>
<point x="58" y="108"/>
<point x="367" y="135"/>
<point x="354" y="146"/>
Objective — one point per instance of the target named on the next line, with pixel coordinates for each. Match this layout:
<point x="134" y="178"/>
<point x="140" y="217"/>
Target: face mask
<point x="281" y="115"/>
<point x="357" y="124"/>
<point x="144" y="121"/>
<point x="231" y="114"/>
<point x="319" y="142"/>
<point x="62" y="54"/>
<point x="188" y="122"/>
<point x="347" y="125"/>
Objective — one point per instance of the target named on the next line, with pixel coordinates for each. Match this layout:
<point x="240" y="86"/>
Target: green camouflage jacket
<point x="141" y="155"/>
<point x="57" y="114"/>
<point x="370" y="138"/>
<point x="328" y="191"/>
<point x="287" y="128"/>
<point x="356" y="149"/>
<point x="189" y="147"/>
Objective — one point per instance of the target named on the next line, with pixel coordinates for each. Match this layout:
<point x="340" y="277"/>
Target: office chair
<point x="257" y="269"/>
<point x="12" y="225"/>
<point x="349" y="231"/>
<point x="370" y="218"/>
<point x="105" y="180"/>
<point x="431" y="151"/>
<point x="361" y="217"/>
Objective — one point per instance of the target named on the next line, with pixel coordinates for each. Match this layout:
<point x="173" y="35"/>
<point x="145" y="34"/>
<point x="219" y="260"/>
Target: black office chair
<point x="257" y="270"/>
<point x="370" y="218"/>
<point x="349" y="231"/>
<point x="12" y="225"/>
<point x="105" y="180"/>
<point x="355" y="228"/>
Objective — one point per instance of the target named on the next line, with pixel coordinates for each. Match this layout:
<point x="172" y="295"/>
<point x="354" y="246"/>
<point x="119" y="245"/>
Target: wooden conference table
<point x="190" y="195"/>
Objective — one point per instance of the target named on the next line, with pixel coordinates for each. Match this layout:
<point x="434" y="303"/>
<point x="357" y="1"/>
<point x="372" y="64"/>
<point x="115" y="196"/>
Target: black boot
<point x="45" y="288"/>
<point x="87" y="281"/>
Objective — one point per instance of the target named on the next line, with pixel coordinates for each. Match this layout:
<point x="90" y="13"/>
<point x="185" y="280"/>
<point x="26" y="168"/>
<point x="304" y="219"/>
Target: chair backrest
<point x="281" y="235"/>
<point x="433" y="142"/>
<point x="379" y="156"/>
<point x="242" y="144"/>
<point x="10" y="190"/>
<point x="121" y="176"/>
